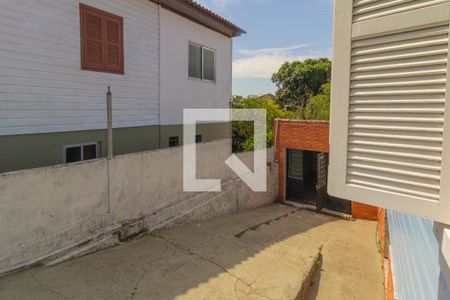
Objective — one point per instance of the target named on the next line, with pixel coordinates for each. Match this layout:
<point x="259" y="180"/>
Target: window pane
<point x="195" y="61"/>
<point x="209" y="68"/>
<point x="89" y="152"/>
<point x="73" y="154"/>
<point x="295" y="168"/>
<point x="198" y="138"/>
<point x="174" y="141"/>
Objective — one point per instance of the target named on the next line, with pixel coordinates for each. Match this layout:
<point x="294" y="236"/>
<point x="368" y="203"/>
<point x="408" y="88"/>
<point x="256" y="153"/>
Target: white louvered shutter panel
<point x="394" y="105"/>
<point x="396" y="117"/>
<point x="370" y="9"/>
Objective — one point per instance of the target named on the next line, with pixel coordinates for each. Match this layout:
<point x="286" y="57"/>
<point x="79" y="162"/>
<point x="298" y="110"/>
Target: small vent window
<point x="174" y="141"/>
<point x="75" y="153"/>
<point x="198" y="138"/>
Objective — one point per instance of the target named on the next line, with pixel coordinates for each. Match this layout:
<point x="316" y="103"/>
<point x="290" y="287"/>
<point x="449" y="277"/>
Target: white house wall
<point x="177" y="90"/>
<point x="43" y="89"/>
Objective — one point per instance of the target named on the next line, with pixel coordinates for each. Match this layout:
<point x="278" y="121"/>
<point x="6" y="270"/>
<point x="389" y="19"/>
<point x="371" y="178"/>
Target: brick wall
<point x="309" y="136"/>
<point x="299" y="135"/>
<point x="390" y="294"/>
<point x="364" y="211"/>
<point x="383" y="248"/>
<point x="381" y="234"/>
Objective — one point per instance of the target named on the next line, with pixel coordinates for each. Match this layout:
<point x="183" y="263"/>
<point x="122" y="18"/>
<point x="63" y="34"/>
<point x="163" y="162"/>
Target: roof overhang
<point x="199" y="14"/>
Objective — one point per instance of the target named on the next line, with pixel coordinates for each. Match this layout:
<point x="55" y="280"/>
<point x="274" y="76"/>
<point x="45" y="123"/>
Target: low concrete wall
<point x="51" y="214"/>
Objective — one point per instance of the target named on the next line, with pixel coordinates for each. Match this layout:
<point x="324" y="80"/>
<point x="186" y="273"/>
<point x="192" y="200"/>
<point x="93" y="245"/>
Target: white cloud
<point x="262" y="63"/>
<point x="270" y="51"/>
<point x="262" y="66"/>
<point x="223" y="6"/>
<point x="216" y="3"/>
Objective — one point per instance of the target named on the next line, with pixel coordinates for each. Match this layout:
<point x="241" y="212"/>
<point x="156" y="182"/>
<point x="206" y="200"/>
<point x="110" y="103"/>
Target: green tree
<point x="299" y="81"/>
<point x="243" y="131"/>
<point x="317" y="107"/>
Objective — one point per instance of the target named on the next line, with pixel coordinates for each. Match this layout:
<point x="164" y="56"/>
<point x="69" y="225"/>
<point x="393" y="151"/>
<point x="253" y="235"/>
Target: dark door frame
<point x="306" y="193"/>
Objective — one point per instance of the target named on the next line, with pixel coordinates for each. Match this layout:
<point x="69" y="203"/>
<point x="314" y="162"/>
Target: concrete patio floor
<point x="265" y="253"/>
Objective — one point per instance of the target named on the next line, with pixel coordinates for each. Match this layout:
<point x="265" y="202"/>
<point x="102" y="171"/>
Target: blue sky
<point x="277" y="31"/>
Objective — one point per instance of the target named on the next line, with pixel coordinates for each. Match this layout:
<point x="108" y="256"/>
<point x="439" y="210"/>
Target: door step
<point x="324" y="211"/>
<point x="301" y="205"/>
<point x="337" y="214"/>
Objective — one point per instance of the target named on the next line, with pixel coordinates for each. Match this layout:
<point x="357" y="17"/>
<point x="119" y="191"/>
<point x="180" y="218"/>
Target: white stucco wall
<point x="42" y="86"/>
<point x="177" y="90"/>
<point x="55" y="213"/>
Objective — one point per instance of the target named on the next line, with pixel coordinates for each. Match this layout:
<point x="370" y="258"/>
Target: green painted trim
<point x="46" y="149"/>
<point x="209" y="132"/>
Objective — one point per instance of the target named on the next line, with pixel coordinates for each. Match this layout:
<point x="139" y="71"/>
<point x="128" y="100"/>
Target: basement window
<point x="80" y="152"/>
<point x="198" y="138"/>
<point x="174" y="141"/>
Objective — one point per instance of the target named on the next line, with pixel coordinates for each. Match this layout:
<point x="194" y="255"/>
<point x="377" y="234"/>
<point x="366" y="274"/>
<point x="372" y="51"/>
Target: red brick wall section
<point x="381" y="239"/>
<point x="390" y="295"/>
<point x="381" y="233"/>
<point x="299" y="135"/>
<point x="309" y="136"/>
<point x="364" y="211"/>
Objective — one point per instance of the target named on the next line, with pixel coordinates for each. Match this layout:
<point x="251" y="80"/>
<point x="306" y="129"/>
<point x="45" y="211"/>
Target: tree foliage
<point x="243" y="131"/>
<point x="317" y="107"/>
<point x="303" y="93"/>
<point x="298" y="81"/>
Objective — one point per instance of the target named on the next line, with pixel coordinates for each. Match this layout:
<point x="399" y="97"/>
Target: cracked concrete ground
<point x="265" y="253"/>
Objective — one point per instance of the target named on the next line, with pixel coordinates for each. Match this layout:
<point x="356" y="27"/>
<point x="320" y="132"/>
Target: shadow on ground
<point x="265" y="253"/>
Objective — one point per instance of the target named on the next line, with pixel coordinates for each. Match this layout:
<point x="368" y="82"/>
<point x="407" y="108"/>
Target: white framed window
<point x="202" y="62"/>
<point x="80" y="152"/>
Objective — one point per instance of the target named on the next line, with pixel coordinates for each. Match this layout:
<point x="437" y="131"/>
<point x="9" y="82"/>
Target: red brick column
<point x="390" y="294"/>
<point x="364" y="211"/>
<point x="381" y="233"/>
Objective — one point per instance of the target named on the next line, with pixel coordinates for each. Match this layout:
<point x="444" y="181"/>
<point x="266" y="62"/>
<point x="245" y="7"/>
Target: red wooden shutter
<point x="101" y="41"/>
<point x="114" y="45"/>
<point x="93" y="40"/>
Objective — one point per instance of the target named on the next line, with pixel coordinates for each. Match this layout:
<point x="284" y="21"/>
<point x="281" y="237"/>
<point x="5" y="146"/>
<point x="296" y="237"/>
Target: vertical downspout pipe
<point x="110" y="142"/>
<point x="109" y="118"/>
<point x="275" y="139"/>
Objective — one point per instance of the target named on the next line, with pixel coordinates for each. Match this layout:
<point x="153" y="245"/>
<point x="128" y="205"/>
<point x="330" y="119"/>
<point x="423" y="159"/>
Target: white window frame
<point x="344" y="32"/>
<point x="203" y="62"/>
<point x="82" y="145"/>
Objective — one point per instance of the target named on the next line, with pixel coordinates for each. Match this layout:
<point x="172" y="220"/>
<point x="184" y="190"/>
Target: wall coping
<point x="302" y="121"/>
